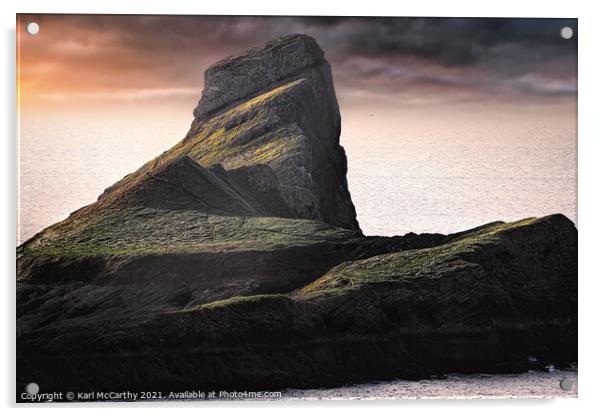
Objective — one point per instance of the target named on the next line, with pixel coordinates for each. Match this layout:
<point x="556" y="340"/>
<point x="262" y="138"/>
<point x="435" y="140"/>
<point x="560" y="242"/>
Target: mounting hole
<point x="566" y="384"/>
<point x="566" y="32"/>
<point x="32" y="28"/>
<point x="32" y="388"/>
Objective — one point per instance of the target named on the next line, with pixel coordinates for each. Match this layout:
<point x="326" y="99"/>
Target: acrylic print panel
<point x="273" y="208"/>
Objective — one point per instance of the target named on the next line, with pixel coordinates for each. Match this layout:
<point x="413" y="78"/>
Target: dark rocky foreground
<point x="234" y="261"/>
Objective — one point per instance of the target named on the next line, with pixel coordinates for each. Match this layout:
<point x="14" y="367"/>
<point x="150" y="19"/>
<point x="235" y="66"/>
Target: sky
<point x="78" y="61"/>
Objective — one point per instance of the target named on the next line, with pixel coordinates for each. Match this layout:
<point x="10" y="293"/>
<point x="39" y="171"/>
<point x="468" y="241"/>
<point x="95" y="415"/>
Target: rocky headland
<point x="234" y="260"/>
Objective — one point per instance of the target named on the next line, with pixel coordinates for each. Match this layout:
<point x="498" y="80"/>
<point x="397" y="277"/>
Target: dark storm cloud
<point x="516" y="58"/>
<point x="512" y="57"/>
<point x="455" y="42"/>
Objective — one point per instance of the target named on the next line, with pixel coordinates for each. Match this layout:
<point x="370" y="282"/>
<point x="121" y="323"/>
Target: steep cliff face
<point x="277" y="106"/>
<point x="270" y="119"/>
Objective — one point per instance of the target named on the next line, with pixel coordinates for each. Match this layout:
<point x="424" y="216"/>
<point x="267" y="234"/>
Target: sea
<point x="406" y="173"/>
<point x="529" y="385"/>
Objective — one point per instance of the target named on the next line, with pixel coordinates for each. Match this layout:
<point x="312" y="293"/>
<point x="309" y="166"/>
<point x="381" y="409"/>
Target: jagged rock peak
<point x="243" y="75"/>
<point x="275" y="105"/>
<point x="271" y="150"/>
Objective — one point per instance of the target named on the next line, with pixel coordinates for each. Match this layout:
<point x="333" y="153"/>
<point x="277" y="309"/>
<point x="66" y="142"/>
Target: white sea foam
<point x="534" y="384"/>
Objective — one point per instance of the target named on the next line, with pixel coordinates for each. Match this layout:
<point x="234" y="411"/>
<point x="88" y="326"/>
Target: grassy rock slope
<point x="484" y="301"/>
<point x="259" y="179"/>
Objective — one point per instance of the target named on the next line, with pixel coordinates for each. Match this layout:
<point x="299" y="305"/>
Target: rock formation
<point x="234" y="260"/>
<point x="276" y="106"/>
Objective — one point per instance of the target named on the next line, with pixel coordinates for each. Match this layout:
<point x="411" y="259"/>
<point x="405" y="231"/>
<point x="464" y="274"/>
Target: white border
<point x="590" y="211"/>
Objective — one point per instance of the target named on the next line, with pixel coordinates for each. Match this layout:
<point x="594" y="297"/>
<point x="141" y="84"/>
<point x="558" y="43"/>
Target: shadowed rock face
<point x="272" y="113"/>
<point x="500" y="299"/>
<point x="234" y="260"/>
<point x="278" y="104"/>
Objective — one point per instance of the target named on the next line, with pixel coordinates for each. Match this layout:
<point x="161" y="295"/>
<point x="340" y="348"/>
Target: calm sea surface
<point x="405" y="174"/>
